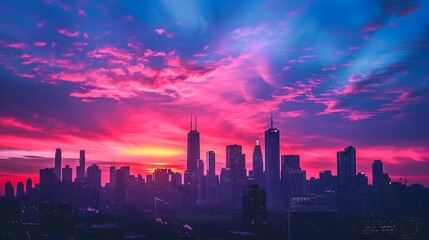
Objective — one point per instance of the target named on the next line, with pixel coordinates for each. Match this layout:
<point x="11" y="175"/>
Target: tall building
<point x="377" y="173"/>
<point x="272" y="161"/>
<point x="254" y="209"/>
<point x="80" y="170"/>
<point x="258" y="164"/>
<point x="290" y="162"/>
<point x="28" y="185"/>
<point x="211" y="163"/>
<point x="235" y="160"/>
<point x="67" y="174"/>
<point x="9" y="191"/>
<point x="346" y="166"/>
<point x="94" y="176"/>
<point x="48" y="182"/>
<point x="326" y="180"/>
<point x="193" y="150"/>
<point x="20" y="190"/>
<point x="58" y="158"/>
<point x="112" y="176"/>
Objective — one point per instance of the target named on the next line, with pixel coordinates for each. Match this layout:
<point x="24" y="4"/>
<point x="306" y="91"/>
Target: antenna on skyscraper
<point x="191" y="122"/>
<point x="195" y="121"/>
<point x="271" y="118"/>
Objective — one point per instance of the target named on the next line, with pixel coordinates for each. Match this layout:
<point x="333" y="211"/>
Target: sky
<point x="121" y="80"/>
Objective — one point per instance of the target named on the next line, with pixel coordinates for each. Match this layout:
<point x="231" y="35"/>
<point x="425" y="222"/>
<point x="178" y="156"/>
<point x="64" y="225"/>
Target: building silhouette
<point x="193" y="151"/>
<point x="258" y="164"/>
<point x="346" y="166"/>
<point x="58" y="159"/>
<point x="80" y="170"/>
<point x="272" y="161"/>
<point x="67" y="172"/>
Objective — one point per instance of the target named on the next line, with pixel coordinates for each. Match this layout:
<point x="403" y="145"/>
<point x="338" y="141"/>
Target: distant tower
<point x="80" y="170"/>
<point x="211" y="163"/>
<point x="346" y="166"/>
<point x="9" y="190"/>
<point x="193" y="151"/>
<point x="377" y="173"/>
<point x="57" y="169"/>
<point x="258" y="164"/>
<point x="67" y="174"/>
<point x="272" y="161"/>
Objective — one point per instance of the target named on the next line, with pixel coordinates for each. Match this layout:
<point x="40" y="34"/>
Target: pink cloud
<point x="40" y="44"/>
<point x="160" y="31"/>
<point x="16" y="45"/>
<point x="68" y="33"/>
<point x="82" y="12"/>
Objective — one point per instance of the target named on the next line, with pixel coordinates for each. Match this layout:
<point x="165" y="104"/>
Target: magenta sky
<point x="121" y="80"/>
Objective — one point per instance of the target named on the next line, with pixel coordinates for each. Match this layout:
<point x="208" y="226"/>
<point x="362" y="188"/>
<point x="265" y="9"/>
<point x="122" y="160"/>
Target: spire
<point x="195" y="121"/>
<point x="191" y="122"/>
<point x="271" y="118"/>
<point x="257" y="142"/>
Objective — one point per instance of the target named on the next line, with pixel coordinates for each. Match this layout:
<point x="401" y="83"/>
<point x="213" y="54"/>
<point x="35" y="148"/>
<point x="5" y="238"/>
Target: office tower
<point x="361" y="180"/>
<point x="94" y="176"/>
<point x="377" y="173"/>
<point x="326" y="180"/>
<point x="20" y="190"/>
<point x="346" y="166"/>
<point x="272" y="161"/>
<point x="201" y="180"/>
<point x="48" y="182"/>
<point x="122" y="184"/>
<point x="67" y="174"/>
<point x="258" y="164"/>
<point x="112" y="176"/>
<point x="235" y="160"/>
<point x="254" y="209"/>
<point x="226" y="186"/>
<point x="193" y="151"/>
<point x="28" y="185"/>
<point x="211" y="163"/>
<point x="9" y="190"/>
<point x="80" y="170"/>
<point x="290" y="162"/>
<point x="57" y="169"/>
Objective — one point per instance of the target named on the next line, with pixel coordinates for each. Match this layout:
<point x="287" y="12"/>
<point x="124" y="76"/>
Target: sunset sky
<point x="121" y="79"/>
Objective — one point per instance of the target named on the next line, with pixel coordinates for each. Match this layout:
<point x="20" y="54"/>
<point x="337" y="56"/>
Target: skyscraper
<point x="80" y="170"/>
<point x="57" y="169"/>
<point x="211" y="163"/>
<point x="9" y="190"/>
<point x="346" y="166"/>
<point x="112" y="176"/>
<point x="20" y="193"/>
<point x="258" y="164"/>
<point x="193" y="151"/>
<point x="94" y="176"/>
<point x="272" y="160"/>
<point x="67" y="174"/>
<point x="377" y="172"/>
<point x="235" y="160"/>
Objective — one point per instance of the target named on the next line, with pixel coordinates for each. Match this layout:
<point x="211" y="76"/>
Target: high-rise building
<point x="48" y="182"/>
<point x="326" y="180"/>
<point x="28" y="185"/>
<point x="67" y="174"/>
<point x="58" y="158"/>
<point x="211" y="163"/>
<point x="80" y="170"/>
<point x="272" y="161"/>
<point x="254" y="209"/>
<point x="94" y="176"/>
<point x="9" y="191"/>
<point x="258" y="164"/>
<point x="346" y="166"/>
<point x="235" y="160"/>
<point x="377" y="173"/>
<point x="193" y="150"/>
<point x="112" y="176"/>
<point x="122" y="184"/>
<point x="20" y="190"/>
<point x="290" y="162"/>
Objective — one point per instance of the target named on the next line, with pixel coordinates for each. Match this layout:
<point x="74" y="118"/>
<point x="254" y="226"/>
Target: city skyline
<point x="120" y="81"/>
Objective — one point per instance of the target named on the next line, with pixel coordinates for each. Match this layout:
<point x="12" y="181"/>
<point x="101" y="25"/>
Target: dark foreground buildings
<point x="207" y="203"/>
